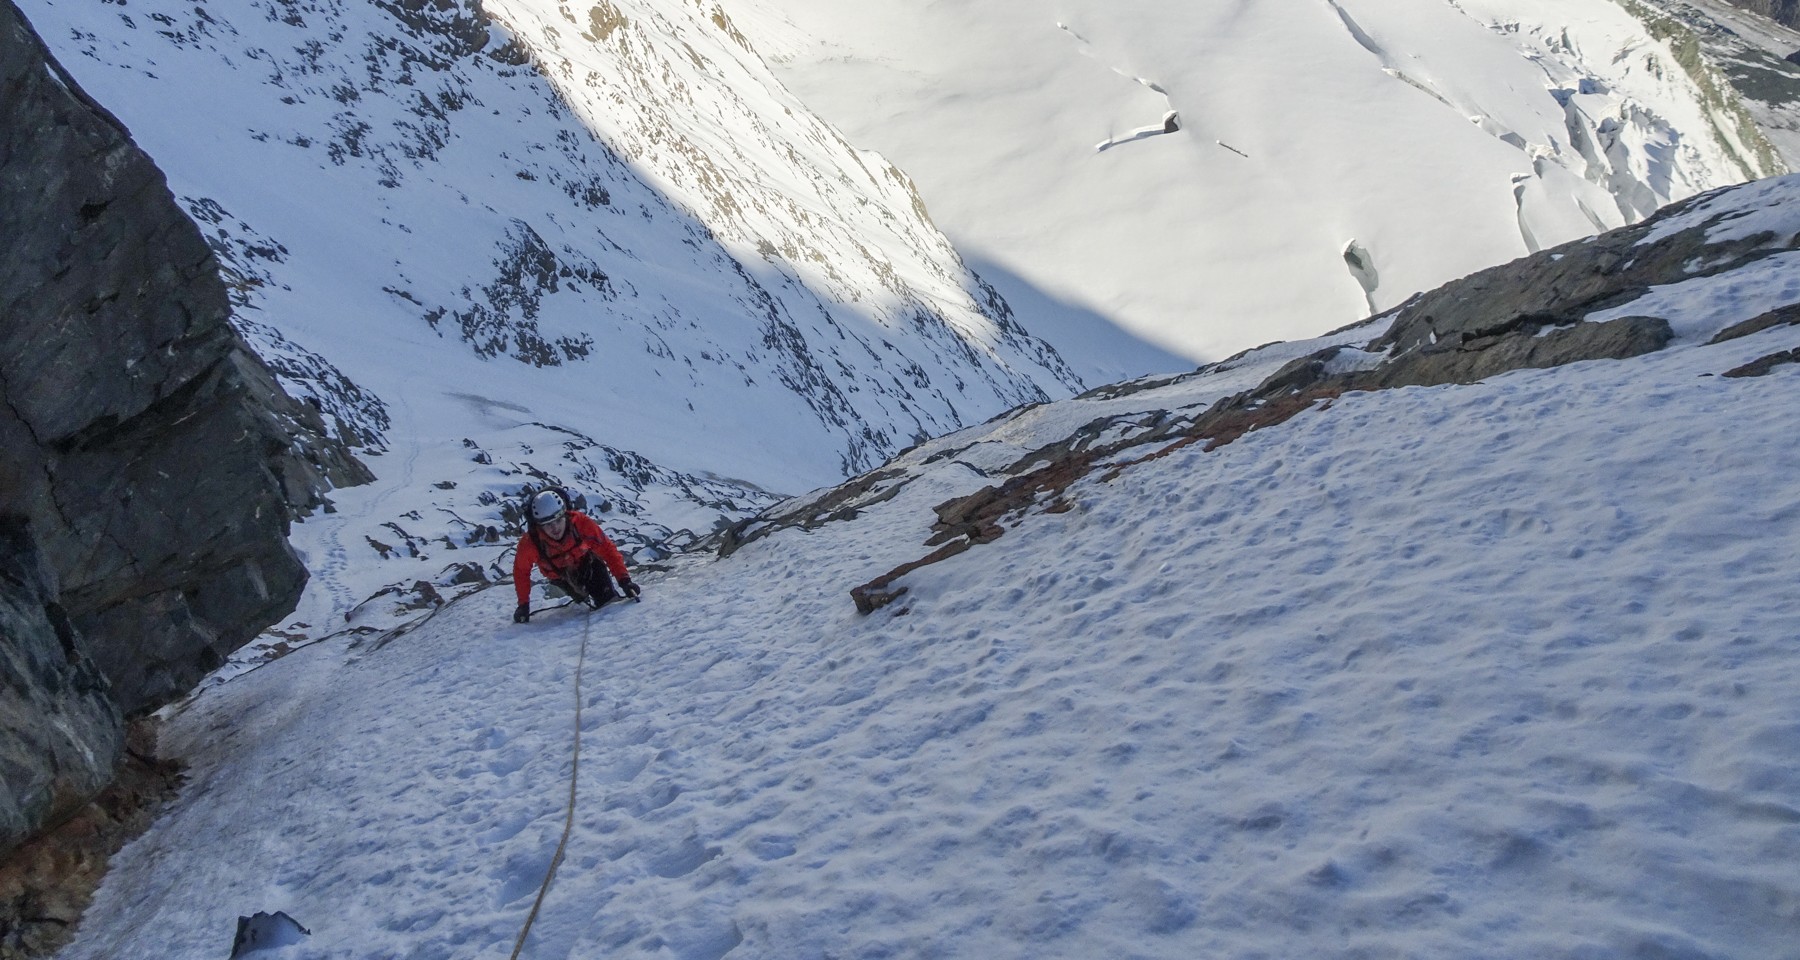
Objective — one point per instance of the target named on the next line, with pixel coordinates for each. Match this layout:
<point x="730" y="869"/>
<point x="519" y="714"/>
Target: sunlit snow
<point x="1442" y="136"/>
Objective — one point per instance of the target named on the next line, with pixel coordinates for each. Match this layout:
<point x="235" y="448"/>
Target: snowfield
<point x="1491" y="671"/>
<point x="1437" y="136"/>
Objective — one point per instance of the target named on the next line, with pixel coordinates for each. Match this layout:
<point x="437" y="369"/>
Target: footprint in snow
<point x="689" y="856"/>
<point x="509" y="761"/>
<point x="623" y="769"/>
<point x="509" y="827"/>
<point x="772" y="847"/>
<point x="704" y="939"/>
<point x="645" y="802"/>
<point x="521" y="875"/>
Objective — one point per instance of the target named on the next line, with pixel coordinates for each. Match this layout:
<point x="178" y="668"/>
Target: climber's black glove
<point x="523" y="614"/>
<point x="628" y="588"/>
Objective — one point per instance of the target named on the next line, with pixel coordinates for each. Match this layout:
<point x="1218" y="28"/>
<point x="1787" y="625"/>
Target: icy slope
<point x="506" y="240"/>
<point x="1328" y="159"/>
<point x="1502" y="669"/>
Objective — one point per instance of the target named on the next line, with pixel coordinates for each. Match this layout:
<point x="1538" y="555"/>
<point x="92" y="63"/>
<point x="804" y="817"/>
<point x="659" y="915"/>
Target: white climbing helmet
<point x="546" y="507"/>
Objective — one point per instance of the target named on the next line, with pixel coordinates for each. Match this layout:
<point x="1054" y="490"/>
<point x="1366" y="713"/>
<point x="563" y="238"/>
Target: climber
<point x="572" y="552"/>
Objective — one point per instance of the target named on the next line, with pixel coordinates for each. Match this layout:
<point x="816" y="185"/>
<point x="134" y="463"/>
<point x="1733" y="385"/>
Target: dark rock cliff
<point x="59" y="731"/>
<point x="148" y="460"/>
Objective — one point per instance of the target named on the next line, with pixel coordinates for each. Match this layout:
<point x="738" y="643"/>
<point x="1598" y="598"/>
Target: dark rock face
<point x="1530" y="343"/>
<point x="59" y="731"/>
<point x="147" y="458"/>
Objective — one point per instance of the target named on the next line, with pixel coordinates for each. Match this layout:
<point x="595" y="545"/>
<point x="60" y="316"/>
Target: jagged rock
<point x="265" y="932"/>
<point x="1559" y="286"/>
<point x="316" y="460"/>
<point x="60" y="734"/>
<point x="1780" y="316"/>
<point x="1763" y="365"/>
<point x="842" y="502"/>
<point x="147" y="457"/>
<point x="874" y="595"/>
<point x="1532" y="343"/>
<point x="45" y="885"/>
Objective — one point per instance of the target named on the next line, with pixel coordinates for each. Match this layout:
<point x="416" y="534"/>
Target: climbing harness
<point x="574" y="777"/>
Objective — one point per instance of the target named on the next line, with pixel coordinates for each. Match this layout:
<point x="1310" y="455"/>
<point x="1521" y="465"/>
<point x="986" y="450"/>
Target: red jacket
<point x="560" y="557"/>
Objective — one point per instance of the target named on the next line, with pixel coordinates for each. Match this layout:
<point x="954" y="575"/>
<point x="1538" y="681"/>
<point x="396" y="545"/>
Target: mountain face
<point x="499" y="244"/>
<point x="1216" y="176"/>
<point x="506" y="243"/>
<point x="495" y="245"/>
<point x="149" y="462"/>
<point x="615" y="208"/>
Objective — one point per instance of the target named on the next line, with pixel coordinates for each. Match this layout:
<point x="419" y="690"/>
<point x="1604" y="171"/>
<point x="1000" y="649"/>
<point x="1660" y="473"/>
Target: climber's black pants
<point x="589" y="583"/>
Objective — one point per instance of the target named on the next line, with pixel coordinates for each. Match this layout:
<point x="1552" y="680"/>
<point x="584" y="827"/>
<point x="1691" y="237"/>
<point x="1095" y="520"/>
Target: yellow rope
<point x="574" y="776"/>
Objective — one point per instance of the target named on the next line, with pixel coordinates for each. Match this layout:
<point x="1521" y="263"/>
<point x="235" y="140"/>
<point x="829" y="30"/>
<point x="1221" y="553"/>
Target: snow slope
<point x="1497" y="670"/>
<point x="1424" y="140"/>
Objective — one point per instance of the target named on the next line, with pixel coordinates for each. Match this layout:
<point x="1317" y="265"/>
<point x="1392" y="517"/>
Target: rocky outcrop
<point x="147" y="458"/>
<point x="1557" y="288"/>
<point x="1762" y="366"/>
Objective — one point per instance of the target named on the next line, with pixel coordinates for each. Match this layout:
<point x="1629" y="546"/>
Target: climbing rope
<point x="574" y="776"/>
